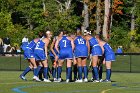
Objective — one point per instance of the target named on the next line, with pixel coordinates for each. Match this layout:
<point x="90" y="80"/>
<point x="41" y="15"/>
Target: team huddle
<point x="74" y="49"/>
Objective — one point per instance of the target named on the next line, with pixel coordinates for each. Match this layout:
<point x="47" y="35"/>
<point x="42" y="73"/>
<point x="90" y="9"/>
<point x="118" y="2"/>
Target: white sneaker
<point x="46" y="80"/>
<point x="79" y="81"/>
<point x="54" y="79"/>
<point x="58" y="80"/>
<point x="36" y="79"/>
<point x="96" y="81"/>
<point x="67" y="81"/>
<point x="101" y="80"/>
<point x="85" y="80"/>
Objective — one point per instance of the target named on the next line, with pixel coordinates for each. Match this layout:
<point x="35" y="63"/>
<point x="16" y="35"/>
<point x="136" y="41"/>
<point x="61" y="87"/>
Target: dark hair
<point x="65" y="32"/>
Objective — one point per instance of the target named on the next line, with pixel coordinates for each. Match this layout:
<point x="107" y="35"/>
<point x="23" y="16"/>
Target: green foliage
<point x="119" y="37"/>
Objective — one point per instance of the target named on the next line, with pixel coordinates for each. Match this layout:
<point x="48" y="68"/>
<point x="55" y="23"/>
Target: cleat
<point x="35" y="78"/>
<point x="46" y="80"/>
<point x="106" y="81"/>
<point x="58" y="80"/>
<point x="79" y="81"/>
<point x="23" y="78"/>
<point x="101" y="80"/>
<point x="96" y="81"/>
<point x="67" y="81"/>
<point x="85" y="80"/>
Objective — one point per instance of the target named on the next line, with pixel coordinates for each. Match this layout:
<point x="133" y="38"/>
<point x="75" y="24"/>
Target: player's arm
<point x="87" y="43"/>
<point x="72" y="44"/>
<point x="46" y="47"/>
<point x="56" y="45"/>
<point x="52" y="46"/>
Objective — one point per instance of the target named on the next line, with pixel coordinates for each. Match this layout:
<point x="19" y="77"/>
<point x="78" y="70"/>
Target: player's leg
<point x="85" y="69"/>
<point x="45" y="70"/>
<point x="75" y="69"/>
<point x="37" y="72"/>
<point x="33" y="62"/>
<point x="95" y="69"/>
<point x="108" y="71"/>
<point x="69" y="69"/>
<point x="22" y="76"/>
<point x="59" y="69"/>
<point x="54" y="68"/>
<point x="79" y="63"/>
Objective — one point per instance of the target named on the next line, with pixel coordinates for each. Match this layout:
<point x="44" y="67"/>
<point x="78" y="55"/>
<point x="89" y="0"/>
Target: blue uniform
<point x="29" y="50"/>
<point x="95" y="48"/>
<point x="109" y="53"/>
<point x="81" y="49"/>
<point x="40" y="51"/>
<point x="65" y="49"/>
<point x="24" y="45"/>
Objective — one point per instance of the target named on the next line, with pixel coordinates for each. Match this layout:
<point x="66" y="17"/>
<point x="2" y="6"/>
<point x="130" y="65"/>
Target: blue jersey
<point x="65" y="49"/>
<point x="81" y="49"/>
<point x="109" y="53"/>
<point x="39" y="50"/>
<point x="31" y="45"/>
<point x="40" y="45"/>
<point x="108" y="49"/>
<point x="95" y="48"/>
<point x="79" y="41"/>
<point x="24" y="45"/>
<point x="64" y="43"/>
<point x="93" y="42"/>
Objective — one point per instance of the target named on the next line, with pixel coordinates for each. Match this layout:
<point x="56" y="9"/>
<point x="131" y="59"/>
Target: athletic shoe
<point x="79" y="81"/>
<point x="101" y="80"/>
<point x="96" y="81"/>
<point x="46" y="80"/>
<point x="85" y="80"/>
<point x="58" y="80"/>
<point x="67" y="81"/>
<point x="36" y="79"/>
<point x="106" y="81"/>
<point x="23" y="78"/>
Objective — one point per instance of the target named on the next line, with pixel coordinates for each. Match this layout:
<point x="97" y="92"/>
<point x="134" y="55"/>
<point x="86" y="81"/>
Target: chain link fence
<point x="125" y="62"/>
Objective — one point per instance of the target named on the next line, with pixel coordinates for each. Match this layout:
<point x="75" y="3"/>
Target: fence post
<point x="130" y="64"/>
<point x="20" y="62"/>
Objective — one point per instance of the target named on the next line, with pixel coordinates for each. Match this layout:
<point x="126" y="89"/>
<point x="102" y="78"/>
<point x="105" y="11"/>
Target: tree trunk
<point x="107" y="20"/>
<point x="86" y="16"/>
<point x="133" y="18"/>
<point x="98" y="17"/>
<point x="44" y="6"/>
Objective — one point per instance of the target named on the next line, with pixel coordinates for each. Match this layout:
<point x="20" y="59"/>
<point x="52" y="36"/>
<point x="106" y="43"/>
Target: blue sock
<point x="108" y="74"/>
<point x="26" y="71"/>
<point x="69" y="69"/>
<point x="100" y="72"/>
<point x="54" y="73"/>
<point x="59" y="71"/>
<point x="95" y="69"/>
<point x="85" y="71"/>
<point x="80" y="72"/>
<point x="37" y="70"/>
<point x="45" y="72"/>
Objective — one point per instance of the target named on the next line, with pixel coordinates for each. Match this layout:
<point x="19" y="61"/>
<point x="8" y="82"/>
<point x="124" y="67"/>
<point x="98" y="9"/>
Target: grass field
<point x="122" y="83"/>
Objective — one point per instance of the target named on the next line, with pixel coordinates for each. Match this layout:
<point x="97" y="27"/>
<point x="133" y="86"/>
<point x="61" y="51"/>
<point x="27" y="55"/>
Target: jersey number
<point x="80" y="41"/>
<point x="65" y="43"/>
<point x="37" y="45"/>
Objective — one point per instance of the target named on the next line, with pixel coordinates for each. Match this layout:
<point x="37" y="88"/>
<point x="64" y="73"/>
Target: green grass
<point x="122" y="83"/>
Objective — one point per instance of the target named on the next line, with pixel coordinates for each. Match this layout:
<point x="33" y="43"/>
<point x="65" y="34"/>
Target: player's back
<point x="93" y="41"/>
<point x="64" y="43"/>
<point x="40" y="45"/>
<point x="79" y="41"/>
<point x="108" y="49"/>
<point x="31" y="45"/>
